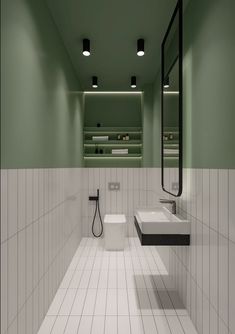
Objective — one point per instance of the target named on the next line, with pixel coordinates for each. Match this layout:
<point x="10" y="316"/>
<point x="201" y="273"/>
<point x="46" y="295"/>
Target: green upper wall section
<point x="157" y="122"/>
<point x="118" y="110"/>
<point x="41" y="121"/>
<point x="209" y="72"/>
<point x="147" y="119"/>
<point x="208" y="94"/>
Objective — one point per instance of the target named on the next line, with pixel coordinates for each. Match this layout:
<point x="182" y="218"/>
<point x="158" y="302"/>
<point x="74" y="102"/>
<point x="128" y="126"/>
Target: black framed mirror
<point x="171" y="105"/>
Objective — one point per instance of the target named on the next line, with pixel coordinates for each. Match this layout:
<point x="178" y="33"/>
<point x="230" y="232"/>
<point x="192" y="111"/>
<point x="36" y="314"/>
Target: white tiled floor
<point x="116" y="293"/>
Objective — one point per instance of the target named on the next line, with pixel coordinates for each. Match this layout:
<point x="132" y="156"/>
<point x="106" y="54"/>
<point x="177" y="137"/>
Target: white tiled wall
<point x="204" y="273"/>
<point x="138" y="187"/>
<point x="44" y="213"/>
<point x="40" y="231"/>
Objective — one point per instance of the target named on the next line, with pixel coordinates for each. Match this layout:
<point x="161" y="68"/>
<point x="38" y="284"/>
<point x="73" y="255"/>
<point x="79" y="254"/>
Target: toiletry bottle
<point x="127" y="137"/>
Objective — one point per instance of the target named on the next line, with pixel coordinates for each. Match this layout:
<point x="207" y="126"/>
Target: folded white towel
<point x="120" y="151"/>
<point x="102" y="138"/>
<point x="171" y="151"/>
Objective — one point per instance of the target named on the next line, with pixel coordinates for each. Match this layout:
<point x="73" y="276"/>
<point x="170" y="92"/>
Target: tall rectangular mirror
<point x="171" y="105"/>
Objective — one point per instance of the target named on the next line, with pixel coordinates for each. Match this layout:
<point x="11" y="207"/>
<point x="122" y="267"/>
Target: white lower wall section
<point x="204" y="273"/>
<point x="40" y="230"/>
<point x="44" y="213"/>
<point x="138" y="187"/>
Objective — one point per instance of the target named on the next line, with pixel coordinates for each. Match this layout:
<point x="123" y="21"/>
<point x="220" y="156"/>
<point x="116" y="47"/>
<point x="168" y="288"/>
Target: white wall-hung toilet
<point x="114" y="231"/>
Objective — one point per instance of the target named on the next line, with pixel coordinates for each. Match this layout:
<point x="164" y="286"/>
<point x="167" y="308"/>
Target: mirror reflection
<point x="172" y="108"/>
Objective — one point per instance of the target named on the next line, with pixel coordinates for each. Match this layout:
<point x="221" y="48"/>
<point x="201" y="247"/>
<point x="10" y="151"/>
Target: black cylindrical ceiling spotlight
<point x="140" y="47"/>
<point x="94" y="82"/>
<point x="133" y="82"/>
<point x="86" y="47"/>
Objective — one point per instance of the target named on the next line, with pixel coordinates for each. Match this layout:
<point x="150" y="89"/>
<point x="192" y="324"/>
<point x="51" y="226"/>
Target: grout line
<point x="209" y="259"/>
<point x="228" y="247"/>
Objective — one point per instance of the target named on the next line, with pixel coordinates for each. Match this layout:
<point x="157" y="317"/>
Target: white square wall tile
<point x="205" y="198"/>
<point x="4" y="198"/>
<point x="12" y="214"/>
<point x="199" y="255"/>
<point x="223" y="204"/>
<point x="12" y="279"/>
<point x="29" y="196"/>
<point x="21" y="199"/>
<point x="41" y="192"/>
<point x="22" y="321"/>
<point x="223" y="278"/>
<point x="214" y="199"/>
<point x="35" y="254"/>
<point x="4" y="288"/>
<point x="231" y="204"/>
<point x="231" y="287"/>
<point x="206" y="261"/>
<point x="214" y="269"/>
<point x="21" y="253"/>
<point x="213" y="321"/>
<point x="35" y="194"/>
<point x="206" y="315"/>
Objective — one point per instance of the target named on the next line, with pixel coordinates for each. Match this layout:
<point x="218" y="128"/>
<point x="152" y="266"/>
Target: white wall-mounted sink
<point x="161" y="225"/>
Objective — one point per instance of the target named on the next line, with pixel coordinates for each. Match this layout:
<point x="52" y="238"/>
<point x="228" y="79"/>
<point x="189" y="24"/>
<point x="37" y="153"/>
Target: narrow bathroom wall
<point x="204" y="272"/>
<point x="41" y="156"/>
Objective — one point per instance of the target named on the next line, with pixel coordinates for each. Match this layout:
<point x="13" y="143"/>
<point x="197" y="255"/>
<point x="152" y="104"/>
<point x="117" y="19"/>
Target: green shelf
<point x="129" y="155"/>
<point x="107" y="159"/>
<point x="107" y="130"/>
<point x="112" y="142"/>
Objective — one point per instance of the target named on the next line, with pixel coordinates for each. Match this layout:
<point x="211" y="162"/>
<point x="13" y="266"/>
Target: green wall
<point x="209" y="72"/>
<point x="41" y="121"/>
<point x="157" y="122"/>
<point x="147" y="119"/>
<point x="119" y="110"/>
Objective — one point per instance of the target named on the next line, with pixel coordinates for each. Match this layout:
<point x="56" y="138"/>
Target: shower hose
<point x="97" y="208"/>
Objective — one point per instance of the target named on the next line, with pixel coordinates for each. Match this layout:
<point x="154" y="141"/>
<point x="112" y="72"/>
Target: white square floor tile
<point x="98" y="324"/>
<point x="111" y="325"/>
<point x="72" y="325"/>
<point x="59" y="325"/>
<point x="85" y="325"/>
<point x="136" y="324"/>
<point x="149" y="325"/>
<point x="47" y="325"/>
<point x="124" y="325"/>
<point x="162" y="325"/>
<point x="67" y="302"/>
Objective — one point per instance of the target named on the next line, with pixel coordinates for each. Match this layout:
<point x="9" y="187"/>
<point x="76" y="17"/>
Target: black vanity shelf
<point x="161" y="239"/>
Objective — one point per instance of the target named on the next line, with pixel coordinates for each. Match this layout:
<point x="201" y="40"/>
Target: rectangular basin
<point x="158" y="226"/>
